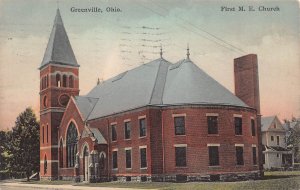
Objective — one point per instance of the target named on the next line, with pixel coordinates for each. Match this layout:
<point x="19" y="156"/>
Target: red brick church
<point x="160" y="121"/>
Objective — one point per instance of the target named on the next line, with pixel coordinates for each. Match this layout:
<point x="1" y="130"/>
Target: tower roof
<point x="59" y="50"/>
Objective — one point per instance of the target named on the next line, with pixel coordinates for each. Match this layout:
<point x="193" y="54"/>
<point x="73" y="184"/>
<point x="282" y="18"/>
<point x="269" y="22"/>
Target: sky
<point x="108" y="43"/>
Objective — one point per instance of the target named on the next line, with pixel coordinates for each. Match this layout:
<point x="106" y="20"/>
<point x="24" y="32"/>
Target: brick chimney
<point x="246" y="80"/>
<point x="247" y="89"/>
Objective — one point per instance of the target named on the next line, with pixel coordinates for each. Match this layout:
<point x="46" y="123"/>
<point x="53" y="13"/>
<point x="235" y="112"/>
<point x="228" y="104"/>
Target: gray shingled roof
<point x="94" y="133"/>
<point x="266" y="122"/>
<point x="59" y="49"/>
<point x="85" y="105"/>
<point x="158" y="83"/>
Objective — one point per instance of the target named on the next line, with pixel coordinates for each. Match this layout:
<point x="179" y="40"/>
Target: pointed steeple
<point x="188" y="52"/>
<point x="59" y="50"/>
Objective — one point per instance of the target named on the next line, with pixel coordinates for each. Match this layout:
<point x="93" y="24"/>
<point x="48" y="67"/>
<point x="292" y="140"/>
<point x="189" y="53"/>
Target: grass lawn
<point x="272" y="181"/>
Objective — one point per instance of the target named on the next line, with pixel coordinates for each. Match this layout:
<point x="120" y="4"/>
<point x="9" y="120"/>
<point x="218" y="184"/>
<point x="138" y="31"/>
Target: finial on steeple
<point x="161" y="52"/>
<point x="57" y="4"/>
<point x="98" y="82"/>
<point x="188" y="52"/>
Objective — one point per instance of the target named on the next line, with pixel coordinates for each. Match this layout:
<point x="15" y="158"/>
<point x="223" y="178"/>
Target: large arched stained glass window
<point x="72" y="137"/>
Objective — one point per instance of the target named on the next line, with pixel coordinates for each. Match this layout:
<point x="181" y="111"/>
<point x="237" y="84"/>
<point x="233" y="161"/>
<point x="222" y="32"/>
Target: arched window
<point x="102" y="161"/>
<point x="71" y="81"/>
<point x="45" y="164"/>
<point x="58" y="81"/>
<point x="61" y="158"/>
<point x="72" y="137"/>
<point x="64" y="81"/>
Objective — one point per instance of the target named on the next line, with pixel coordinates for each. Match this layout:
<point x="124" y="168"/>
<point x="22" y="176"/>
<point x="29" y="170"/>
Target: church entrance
<point x="86" y="172"/>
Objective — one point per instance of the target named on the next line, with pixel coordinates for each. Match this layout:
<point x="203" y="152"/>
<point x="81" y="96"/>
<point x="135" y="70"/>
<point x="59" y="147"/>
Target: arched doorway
<point x="86" y="172"/>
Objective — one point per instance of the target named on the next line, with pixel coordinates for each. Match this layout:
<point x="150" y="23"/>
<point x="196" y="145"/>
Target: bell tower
<point x="59" y="80"/>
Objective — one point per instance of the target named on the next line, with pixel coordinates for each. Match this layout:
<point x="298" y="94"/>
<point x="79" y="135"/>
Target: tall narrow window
<point x="239" y="152"/>
<point x="58" y="80"/>
<point x="115" y="160"/>
<point x="71" y="81"/>
<point x="253" y="127"/>
<point x="212" y="122"/>
<point x="72" y="138"/>
<point x="45" y="165"/>
<point x="113" y="133"/>
<point x="64" y="81"/>
<point x="143" y="128"/>
<point x="272" y="138"/>
<point x="143" y="156"/>
<point x="180" y="156"/>
<point x="47" y="81"/>
<point x="179" y="124"/>
<point x="277" y="140"/>
<point x="213" y="153"/>
<point x="128" y="158"/>
<point x="238" y="126"/>
<point x="61" y="158"/>
<point x="254" y="155"/>
<point x="127" y="130"/>
<point x="43" y="130"/>
<point x="47" y="132"/>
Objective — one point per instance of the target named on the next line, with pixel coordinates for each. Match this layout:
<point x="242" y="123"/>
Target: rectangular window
<point x="272" y="138"/>
<point x="277" y="140"/>
<point x="115" y="159"/>
<point x="113" y="133"/>
<point x="212" y="122"/>
<point x="179" y="123"/>
<point x="128" y="158"/>
<point x="253" y="127"/>
<point x="238" y="126"/>
<point x="142" y="127"/>
<point x="213" y="153"/>
<point x="180" y="155"/>
<point x="254" y="155"/>
<point x="143" y="156"/>
<point x="239" y="152"/>
<point x="127" y="130"/>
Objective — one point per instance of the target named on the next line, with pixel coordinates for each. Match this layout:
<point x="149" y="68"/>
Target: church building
<point x="160" y="121"/>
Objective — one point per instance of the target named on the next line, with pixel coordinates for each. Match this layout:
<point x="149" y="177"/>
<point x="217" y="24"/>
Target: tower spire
<point x="188" y="52"/>
<point x="161" y="52"/>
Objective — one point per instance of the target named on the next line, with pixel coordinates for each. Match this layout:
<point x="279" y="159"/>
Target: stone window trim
<point x="180" y="145"/>
<point x="237" y="115"/>
<point x="142" y="117"/>
<point x="143" y="146"/>
<point x="253" y="145"/>
<point x="113" y="123"/>
<point x="239" y="145"/>
<point x="212" y="114"/>
<point x="114" y="149"/>
<point x="213" y="144"/>
<point x="126" y="120"/>
<point x="179" y="115"/>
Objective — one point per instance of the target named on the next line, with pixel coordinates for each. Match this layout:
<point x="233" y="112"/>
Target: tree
<point x="23" y="144"/>
<point x="293" y="139"/>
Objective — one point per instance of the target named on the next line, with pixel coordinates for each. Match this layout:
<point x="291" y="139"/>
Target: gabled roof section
<point x="85" y="105"/>
<point x="267" y="122"/>
<point x="94" y="134"/>
<point x="188" y="84"/>
<point x="59" y="50"/>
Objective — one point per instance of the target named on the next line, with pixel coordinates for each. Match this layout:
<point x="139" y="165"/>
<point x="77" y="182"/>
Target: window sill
<point x="113" y="141"/>
<point x="239" y="166"/>
<point x="128" y="168"/>
<point x="143" y="137"/>
<point x="115" y="169"/>
<point x="127" y="139"/>
<point x="212" y="135"/>
<point x="144" y="168"/>
<point x="180" y="135"/>
<point x="238" y="135"/>
<point x="181" y="167"/>
<point x="212" y="167"/>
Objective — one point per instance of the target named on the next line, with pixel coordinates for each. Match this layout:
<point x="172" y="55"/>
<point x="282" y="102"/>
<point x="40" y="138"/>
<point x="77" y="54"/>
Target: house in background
<point x="275" y="152"/>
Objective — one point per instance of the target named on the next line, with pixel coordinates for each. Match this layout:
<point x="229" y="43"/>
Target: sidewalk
<point x="8" y="185"/>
